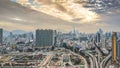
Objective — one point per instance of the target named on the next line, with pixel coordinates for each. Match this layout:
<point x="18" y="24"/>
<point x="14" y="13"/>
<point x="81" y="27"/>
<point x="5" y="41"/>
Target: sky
<point x="30" y="15"/>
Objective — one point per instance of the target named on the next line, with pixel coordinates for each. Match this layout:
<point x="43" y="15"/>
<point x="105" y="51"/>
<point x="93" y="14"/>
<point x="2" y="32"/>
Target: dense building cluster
<point x="102" y="44"/>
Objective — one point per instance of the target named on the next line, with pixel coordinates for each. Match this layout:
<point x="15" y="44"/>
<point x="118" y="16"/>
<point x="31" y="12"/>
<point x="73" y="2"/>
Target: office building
<point x="1" y="36"/>
<point x="98" y="38"/>
<point x="118" y="50"/>
<point x="114" y="48"/>
<point x="45" y="37"/>
<point x="100" y="31"/>
<point x="103" y="41"/>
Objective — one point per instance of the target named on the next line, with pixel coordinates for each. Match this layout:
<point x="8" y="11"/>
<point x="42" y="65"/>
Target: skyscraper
<point x="98" y="38"/>
<point x="45" y="37"/>
<point x="118" y="50"/>
<point x="1" y="36"/>
<point x="114" y="48"/>
<point x="100" y="31"/>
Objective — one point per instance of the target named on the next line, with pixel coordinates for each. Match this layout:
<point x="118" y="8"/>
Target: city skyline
<point x="16" y="16"/>
<point x="59" y="34"/>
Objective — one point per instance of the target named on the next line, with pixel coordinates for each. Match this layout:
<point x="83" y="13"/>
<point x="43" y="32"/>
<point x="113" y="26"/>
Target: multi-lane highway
<point x="86" y="64"/>
<point x="94" y="63"/>
<point x="103" y="64"/>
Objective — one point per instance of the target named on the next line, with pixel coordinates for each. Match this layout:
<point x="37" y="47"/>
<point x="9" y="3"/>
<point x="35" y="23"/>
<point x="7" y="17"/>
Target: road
<point x="98" y="48"/>
<point x="94" y="61"/>
<point x="86" y="64"/>
<point x="45" y="61"/>
<point x="100" y="53"/>
<point x="91" y="63"/>
<point x="98" y="56"/>
<point x="105" y="61"/>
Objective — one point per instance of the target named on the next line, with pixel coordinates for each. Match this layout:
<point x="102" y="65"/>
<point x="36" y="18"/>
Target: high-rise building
<point x="98" y="38"/>
<point x="114" y="48"/>
<point x="99" y="35"/>
<point x="45" y="37"/>
<point x="118" y="50"/>
<point x="1" y="36"/>
<point x="103" y="41"/>
<point x="100" y="31"/>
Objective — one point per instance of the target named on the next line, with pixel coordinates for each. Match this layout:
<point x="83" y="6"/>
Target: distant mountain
<point x="18" y="32"/>
<point x="7" y="33"/>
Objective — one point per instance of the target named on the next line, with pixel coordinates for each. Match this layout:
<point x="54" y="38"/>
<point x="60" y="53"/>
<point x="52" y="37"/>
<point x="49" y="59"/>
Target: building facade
<point x="1" y="36"/>
<point x="118" y="51"/>
<point x="98" y="38"/>
<point x="45" y="37"/>
<point x="114" y="47"/>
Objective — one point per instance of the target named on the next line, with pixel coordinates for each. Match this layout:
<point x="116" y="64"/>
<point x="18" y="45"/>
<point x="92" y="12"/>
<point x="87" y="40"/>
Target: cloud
<point x="47" y="2"/>
<point x="55" y="16"/>
<point x="66" y="10"/>
<point x="12" y="26"/>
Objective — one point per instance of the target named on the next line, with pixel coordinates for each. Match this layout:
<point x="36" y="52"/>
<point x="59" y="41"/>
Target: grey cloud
<point x="36" y="19"/>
